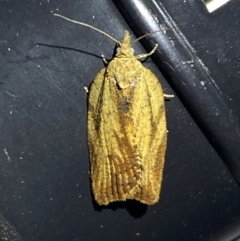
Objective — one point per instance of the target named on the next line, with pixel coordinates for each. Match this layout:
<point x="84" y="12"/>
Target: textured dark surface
<point x="44" y="180"/>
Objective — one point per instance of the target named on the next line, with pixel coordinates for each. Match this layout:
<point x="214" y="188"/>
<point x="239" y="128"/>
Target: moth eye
<point x="132" y="50"/>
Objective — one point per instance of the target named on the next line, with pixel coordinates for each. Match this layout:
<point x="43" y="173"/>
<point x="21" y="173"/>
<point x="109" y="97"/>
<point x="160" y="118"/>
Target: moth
<point x="127" y="131"/>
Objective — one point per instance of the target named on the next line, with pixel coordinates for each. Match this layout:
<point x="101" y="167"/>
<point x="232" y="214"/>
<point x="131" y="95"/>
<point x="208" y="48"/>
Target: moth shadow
<point x="68" y="48"/>
<point x="135" y="208"/>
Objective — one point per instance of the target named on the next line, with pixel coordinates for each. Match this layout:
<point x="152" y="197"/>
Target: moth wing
<point x="127" y="143"/>
<point x="149" y="116"/>
<point x="115" y="173"/>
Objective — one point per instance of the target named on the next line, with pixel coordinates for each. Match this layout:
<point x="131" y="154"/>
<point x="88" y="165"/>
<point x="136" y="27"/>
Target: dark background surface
<point x="45" y="63"/>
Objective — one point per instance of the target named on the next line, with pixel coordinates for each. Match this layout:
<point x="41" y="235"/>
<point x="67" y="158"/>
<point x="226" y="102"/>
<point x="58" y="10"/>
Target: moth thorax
<point x="124" y="51"/>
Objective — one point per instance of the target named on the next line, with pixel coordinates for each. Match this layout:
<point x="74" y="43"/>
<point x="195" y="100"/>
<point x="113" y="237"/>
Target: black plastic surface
<point x="44" y="180"/>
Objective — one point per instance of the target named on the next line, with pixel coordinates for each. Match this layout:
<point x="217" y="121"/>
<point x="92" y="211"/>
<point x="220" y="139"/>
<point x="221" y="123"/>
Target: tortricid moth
<point x="127" y="131"/>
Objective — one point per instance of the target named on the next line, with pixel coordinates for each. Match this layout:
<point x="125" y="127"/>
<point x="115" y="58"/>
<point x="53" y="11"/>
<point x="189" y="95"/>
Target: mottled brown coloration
<point x="126" y="130"/>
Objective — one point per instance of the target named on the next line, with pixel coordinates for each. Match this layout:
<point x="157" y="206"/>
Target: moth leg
<point x="168" y="96"/>
<point x="86" y="89"/>
<point x="104" y="59"/>
<point x="140" y="56"/>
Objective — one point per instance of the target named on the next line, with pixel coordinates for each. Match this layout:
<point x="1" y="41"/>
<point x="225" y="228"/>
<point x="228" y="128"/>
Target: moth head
<point x="125" y="48"/>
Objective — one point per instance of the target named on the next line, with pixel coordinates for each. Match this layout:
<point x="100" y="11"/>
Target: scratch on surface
<point x="208" y="73"/>
<point x="169" y="66"/>
<point x="66" y="96"/>
<point x="12" y="95"/>
<point x="6" y="153"/>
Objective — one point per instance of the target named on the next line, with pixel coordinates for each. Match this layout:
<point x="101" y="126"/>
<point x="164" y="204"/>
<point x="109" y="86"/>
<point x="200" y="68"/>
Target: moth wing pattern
<point x="127" y="136"/>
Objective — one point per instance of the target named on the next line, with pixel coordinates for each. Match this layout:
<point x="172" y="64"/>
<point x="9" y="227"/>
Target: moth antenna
<point x="145" y="35"/>
<point x="87" y="25"/>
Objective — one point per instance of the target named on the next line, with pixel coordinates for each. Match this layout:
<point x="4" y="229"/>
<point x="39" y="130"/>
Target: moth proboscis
<point x="127" y="131"/>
